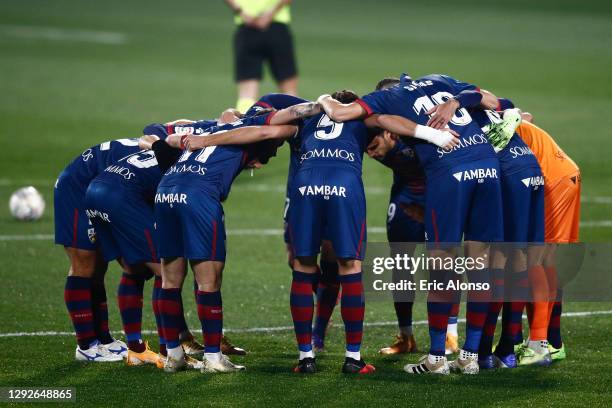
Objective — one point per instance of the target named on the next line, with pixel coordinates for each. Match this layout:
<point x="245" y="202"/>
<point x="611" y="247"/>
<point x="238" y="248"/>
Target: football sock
<point x="302" y="309"/>
<point x="495" y="306"/>
<point x="451" y="329"/>
<point x="306" y="354"/>
<point x="170" y="311"/>
<point x="554" y="326"/>
<point x="157" y="284"/>
<point x="538" y="324"/>
<point x="327" y="297"/>
<point x="434" y="358"/>
<point x="488" y="332"/>
<point x="183" y="327"/>
<point x="176" y="353"/>
<point x="210" y="313"/>
<point x="477" y="307"/>
<point x="352" y="308"/>
<point x="129" y="298"/>
<point x="77" y="295"/>
<point x="439" y="305"/>
<point x="99" y="308"/>
<point x="551" y="277"/>
<point x="466" y="354"/>
<point x="355" y="355"/>
<point x="539" y="346"/>
<point x="214" y="357"/>
<point x="403" y="311"/>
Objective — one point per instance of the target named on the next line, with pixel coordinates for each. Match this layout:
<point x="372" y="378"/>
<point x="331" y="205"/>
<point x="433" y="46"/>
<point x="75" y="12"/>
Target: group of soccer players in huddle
<point x="467" y="167"/>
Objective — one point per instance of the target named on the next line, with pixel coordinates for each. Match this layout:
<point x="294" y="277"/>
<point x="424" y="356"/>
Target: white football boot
<point x="96" y="353"/>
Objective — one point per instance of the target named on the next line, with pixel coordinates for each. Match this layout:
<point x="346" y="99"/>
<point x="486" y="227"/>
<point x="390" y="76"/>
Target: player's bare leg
<point x="289" y="86"/>
<point x="208" y="275"/>
<point x="352" y="308"/>
<point x="248" y="90"/>
<point x="78" y="298"/>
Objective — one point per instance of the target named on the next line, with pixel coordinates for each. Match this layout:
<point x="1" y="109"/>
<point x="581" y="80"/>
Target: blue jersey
<point x="413" y="98"/>
<point x="280" y="101"/>
<point x="516" y="156"/>
<point x="137" y="172"/>
<point x="94" y="160"/>
<point x="408" y="174"/>
<point x="324" y="142"/>
<point x="214" y="168"/>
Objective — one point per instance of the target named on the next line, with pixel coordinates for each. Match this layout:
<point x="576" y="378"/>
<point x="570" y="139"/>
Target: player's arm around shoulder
<point x="240" y="136"/>
<point x="445" y="138"/>
<point x="293" y="113"/>
<point x="341" y="112"/>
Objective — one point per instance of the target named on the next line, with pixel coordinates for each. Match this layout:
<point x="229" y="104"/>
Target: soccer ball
<point x="27" y="204"/>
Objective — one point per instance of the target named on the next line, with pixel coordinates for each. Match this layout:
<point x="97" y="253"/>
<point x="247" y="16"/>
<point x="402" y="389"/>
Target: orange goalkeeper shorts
<point x="562" y="210"/>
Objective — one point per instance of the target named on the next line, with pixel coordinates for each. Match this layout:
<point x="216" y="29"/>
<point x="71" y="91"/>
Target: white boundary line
<point x="283" y="328"/>
<point x="62" y="34"/>
<point x="265" y="232"/>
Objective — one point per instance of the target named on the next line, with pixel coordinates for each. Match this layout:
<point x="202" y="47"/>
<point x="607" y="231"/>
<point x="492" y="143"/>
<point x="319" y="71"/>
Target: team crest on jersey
<point x="535" y="182"/>
<point x="475" y="174"/>
<point x="91" y="234"/>
<point x="325" y="191"/>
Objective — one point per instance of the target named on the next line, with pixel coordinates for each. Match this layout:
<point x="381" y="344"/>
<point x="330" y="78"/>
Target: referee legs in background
<point x="253" y="47"/>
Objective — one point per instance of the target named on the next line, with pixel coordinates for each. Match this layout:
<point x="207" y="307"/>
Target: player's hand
<point x="440" y="115"/>
<point x="174" y="140"/>
<point x="193" y="142"/>
<point x="263" y="21"/>
<point x="248" y="20"/>
<point x="146" y="142"/>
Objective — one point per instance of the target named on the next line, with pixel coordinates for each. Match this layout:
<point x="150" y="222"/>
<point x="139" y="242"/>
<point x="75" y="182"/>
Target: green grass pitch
<point x="148" y="61"/>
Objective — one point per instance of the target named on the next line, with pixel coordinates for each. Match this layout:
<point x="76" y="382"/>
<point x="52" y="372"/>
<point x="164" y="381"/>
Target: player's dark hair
<point x="386" y="83"/>
<point x="345" y="96"/>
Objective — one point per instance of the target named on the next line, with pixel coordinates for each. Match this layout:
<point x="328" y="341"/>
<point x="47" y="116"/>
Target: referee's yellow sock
<point x="244" y="104"/>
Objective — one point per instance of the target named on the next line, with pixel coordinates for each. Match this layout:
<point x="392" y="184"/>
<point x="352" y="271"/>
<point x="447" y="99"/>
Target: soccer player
<point x="462" y="198"/>
<point x="330" y="200"/>
<point x="404" y="221"/>
<point x="190" y="224"/>
<point x="84" y="293"/>
<point x="523" y="199"/>
<point x="327" y="286"/>
<point x="119" y="204"/>
<point x="561" y="226"/>
<point x="263" y="34"/>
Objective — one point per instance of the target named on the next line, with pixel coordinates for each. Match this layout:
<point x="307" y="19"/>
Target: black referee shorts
<point x="252" y="47"/>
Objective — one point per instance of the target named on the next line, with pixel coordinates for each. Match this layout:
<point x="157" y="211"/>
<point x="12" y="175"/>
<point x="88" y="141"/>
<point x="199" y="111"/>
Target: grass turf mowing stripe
<point x="284" y="328"/>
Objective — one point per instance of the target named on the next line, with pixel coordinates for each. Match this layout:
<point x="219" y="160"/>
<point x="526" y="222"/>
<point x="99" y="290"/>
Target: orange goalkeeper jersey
<point x="554" y="162"/>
